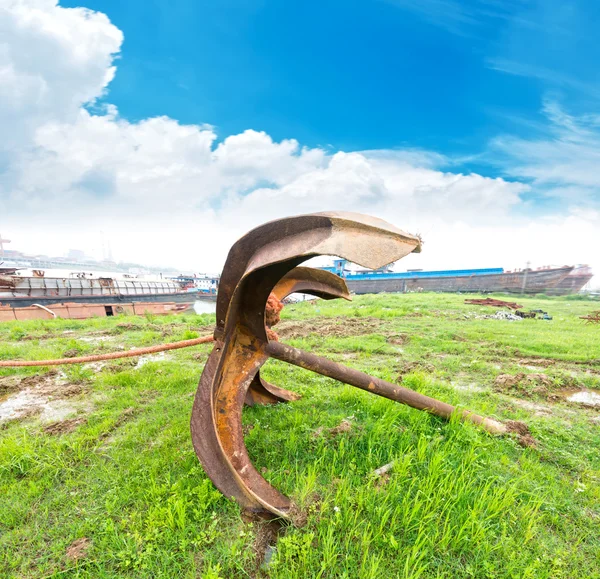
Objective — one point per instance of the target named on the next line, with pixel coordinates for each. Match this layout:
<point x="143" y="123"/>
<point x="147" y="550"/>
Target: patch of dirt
<point x="524" y="384"/>
<point x="79" y="549"/>
<point x="399" y="339"/>
<point x="53" y="384"/>
<point x="382" y="475"/>
<point x="344" y="426"/>
<point x="64" y="426"/>
<point x="521" y="429"/>
<point x="9" y="384"/>
<point x="335" y="327"/>
<point x="125" y="327"/>
<point x="265" y="539"/>
<point x="408" y="367"/>
<point x="543" y="362"/>
<point x="28" y="337"/>
<point x="121" y="365"/>
<point x="298" y="517"/>
<point x="381" y="481"/>
<point x="71" y="353"/>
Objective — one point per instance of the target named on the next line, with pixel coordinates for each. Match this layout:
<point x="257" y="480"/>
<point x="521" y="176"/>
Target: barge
<point x="548" y="280"/>
<point x="30" y="294"/>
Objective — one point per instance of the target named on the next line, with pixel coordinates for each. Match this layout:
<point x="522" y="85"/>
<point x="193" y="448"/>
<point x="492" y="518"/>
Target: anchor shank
<point x="377" y="386"/>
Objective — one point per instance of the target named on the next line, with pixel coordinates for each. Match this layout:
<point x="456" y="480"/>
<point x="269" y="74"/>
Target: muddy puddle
<point x="46" y="396"/>
<point x="585" y="397"/>
<point x="158" y="357"/>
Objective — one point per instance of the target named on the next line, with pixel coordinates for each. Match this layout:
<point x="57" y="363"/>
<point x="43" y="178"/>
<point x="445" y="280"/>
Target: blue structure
<point x="339" y="268"/>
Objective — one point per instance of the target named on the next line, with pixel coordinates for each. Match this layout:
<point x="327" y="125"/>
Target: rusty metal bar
<point x="377" y="386"/>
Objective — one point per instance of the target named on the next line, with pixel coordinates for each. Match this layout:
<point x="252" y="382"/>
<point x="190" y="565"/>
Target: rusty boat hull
<point x="575" y="281"/>
<point x="546" y="281"/>
<point x="40" y="297"/>
<point x="81" y="311"/>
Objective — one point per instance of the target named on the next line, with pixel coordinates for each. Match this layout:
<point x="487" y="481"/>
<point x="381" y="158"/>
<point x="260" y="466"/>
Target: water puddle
<point x="42" y="395"/>
<point x="205" y="307"/>
<point x="158" y="357"/>
<point x="585" y="397"/>
<point x="95" y="339"/>
<point x="29" y="403"/>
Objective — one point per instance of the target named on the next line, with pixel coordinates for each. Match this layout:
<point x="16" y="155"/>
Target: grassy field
<point x="98" y="477"/>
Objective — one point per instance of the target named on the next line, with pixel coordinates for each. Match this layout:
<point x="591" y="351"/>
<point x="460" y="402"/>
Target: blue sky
<point x="440" y="75"/>
<point x="474" y="123"/>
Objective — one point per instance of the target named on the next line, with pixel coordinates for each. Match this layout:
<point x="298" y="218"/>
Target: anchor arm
<point x="377" y="386"/>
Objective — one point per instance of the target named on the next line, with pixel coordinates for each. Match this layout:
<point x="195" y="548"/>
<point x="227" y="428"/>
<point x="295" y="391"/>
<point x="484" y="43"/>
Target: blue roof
<point x="420" y="274"/>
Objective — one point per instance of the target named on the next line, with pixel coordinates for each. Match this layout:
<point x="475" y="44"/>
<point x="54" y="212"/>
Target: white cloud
<point x="164" y="192"/>
<point x="564" y="162"/>
<point x="52" y="61"/>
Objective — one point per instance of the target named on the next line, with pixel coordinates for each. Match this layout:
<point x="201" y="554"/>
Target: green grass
<point x="458" y="503"/>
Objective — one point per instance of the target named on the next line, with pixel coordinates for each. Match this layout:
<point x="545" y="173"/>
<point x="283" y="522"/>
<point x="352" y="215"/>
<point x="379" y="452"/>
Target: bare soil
<point x="78" y="549"/>
<point x="339" y="327"/>
<point x="523" y="384"/>
<point x="64" y="426"/>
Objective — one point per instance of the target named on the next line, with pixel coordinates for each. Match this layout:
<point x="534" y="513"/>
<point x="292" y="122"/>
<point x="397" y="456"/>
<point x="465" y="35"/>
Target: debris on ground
<point x="494" y="303"/>
<point x="519" y="312"/>
<point x="531" y="315"/>
<point x="592" y="318"/>
<point x="502" y="315"/>
<point x="542" y="315"/>
<point x="265" y="540"/>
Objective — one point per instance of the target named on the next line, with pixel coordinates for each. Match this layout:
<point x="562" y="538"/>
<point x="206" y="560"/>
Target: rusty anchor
<point x="265" y="265"/>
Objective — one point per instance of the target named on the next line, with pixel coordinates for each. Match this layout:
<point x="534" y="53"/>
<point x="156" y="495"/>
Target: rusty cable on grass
<point x="110" y="356"/>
